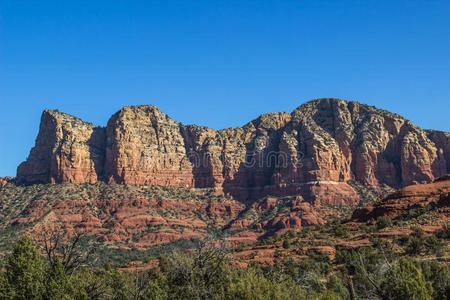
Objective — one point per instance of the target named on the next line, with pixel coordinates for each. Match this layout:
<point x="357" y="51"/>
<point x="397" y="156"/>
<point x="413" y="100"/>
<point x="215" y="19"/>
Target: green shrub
<point x="439" y="277"/>
<point x="340" y="230"/>
<point x="383" y="222"/>
<point x="251" y="285"/>
<point x="405" y="280"/>
<point x="435" y="246"/>
<point x="414" y="245"/>
<point x="202" y="275"/>
<point x="286" y="244"/>
<point x="444" y="233"/>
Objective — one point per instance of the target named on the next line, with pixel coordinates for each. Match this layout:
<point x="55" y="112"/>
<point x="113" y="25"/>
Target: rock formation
<point x="135" y="217"/>
<point x="66" y="150"/>
<point x="145" y="147"/>
<point x="5" y="180"/>
<point x="426" y="197"/>
<point x="312" y="152"/>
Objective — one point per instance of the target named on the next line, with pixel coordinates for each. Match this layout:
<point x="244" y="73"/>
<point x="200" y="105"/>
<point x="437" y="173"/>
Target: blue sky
<point x="217" y="63"/>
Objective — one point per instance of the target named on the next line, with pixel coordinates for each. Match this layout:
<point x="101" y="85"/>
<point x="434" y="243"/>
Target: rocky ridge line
<point x="312" y="152"/>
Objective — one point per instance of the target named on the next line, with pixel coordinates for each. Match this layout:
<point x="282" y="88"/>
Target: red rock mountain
<point x="313" y="152"/>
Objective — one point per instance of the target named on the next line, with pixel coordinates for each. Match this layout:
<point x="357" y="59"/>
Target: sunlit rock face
<point x="313" y="152"/>
<point x="145" y="147"/>
<point x="435" y="194"/>
<point x="66" y="150"/>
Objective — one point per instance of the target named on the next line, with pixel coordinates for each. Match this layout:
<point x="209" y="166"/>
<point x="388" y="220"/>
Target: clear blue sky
<point x="217" y="63"/>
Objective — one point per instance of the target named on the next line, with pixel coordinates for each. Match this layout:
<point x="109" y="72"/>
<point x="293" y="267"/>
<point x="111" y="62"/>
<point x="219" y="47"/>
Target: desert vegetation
<point x="56" y="266"/>
<point x="102" y="241"/>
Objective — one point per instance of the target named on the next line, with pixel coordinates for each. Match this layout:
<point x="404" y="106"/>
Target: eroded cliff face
<point x="66" y="150"/>
<point x="145" y="147"/>
<point x="312" y="152"/>
<point x="442" y="142"/>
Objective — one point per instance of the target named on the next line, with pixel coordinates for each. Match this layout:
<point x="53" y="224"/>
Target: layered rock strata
<point x="420" y="197"/>
<point x="66" y="150"/>
<point x="312" y="152"/>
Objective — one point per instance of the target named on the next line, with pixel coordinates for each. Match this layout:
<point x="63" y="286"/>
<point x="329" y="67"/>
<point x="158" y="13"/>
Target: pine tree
<point x="25" y="271"/>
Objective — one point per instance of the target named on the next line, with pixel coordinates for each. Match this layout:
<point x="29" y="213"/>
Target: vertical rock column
<point x="66" y="150"/>
<point x="145" y="147"/>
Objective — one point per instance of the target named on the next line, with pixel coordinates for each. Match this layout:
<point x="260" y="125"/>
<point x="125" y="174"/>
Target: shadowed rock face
<point x="314" y="152"/>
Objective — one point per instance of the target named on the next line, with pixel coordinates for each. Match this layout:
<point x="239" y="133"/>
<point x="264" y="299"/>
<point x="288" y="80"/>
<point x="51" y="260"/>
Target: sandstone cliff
<point x="145" y="147"/>
<point x="66" y="150"/>
<point x="312" y="152"/>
